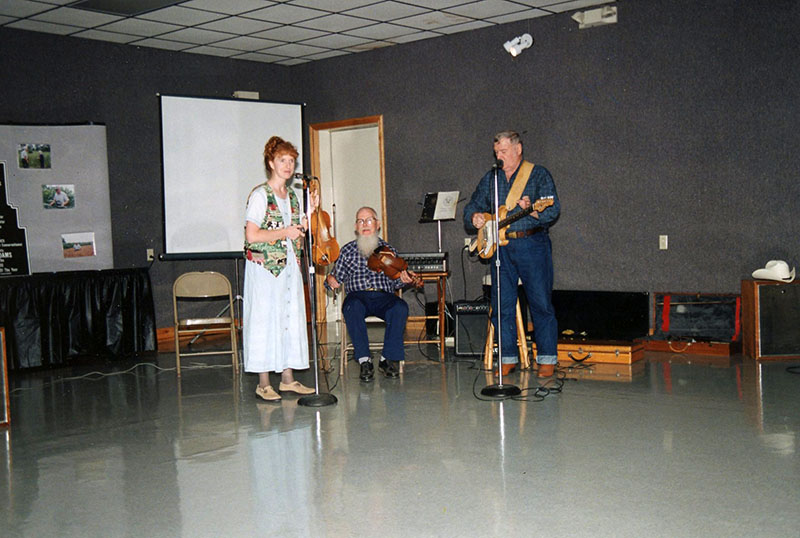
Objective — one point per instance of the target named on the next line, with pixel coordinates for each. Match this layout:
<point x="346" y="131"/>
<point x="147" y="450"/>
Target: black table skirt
<point x="51" y="318"/>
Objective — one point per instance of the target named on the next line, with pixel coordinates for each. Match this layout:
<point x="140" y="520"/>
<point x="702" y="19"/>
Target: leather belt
<point x="523" y="233"/>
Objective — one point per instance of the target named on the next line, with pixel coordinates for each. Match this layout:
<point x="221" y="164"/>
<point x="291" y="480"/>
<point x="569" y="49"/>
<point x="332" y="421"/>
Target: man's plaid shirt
<point x="352" y="272"/>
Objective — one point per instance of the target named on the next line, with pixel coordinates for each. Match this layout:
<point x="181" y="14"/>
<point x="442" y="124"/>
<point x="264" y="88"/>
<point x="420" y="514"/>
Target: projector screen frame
<point x="291" y="116"/>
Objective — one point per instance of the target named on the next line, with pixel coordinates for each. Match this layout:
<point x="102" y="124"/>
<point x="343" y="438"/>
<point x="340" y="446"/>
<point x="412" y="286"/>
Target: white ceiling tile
<point x="433" y="20"/>
<point x="238" y="25"/>
<point x="22" y="8"/>
<point x="285" y="14"/>
<point x="327" y="5"/>
<point x="290" y="33"/>
<point x="335" y="23"/>
<point x="180" y="15"/>
<point x="467" y="26"/>
<point x="569" y="5"/>
<point x="292" y="61"/>
<point x="247" y="43"/>
<point x="438" y="4"/>
<point x="162" y="44"/>
<point x="387" y="11"/>
<point x="372" y="45"/>
<point x="326" y="54"/>
<point x="381" y="31"/>
<point x="140" y="27"/>
<point x="259" y="57"/>
<point x="76" y="17"/>
<point x="294" y="49"/>
<point x="336" y="41"/>
<point x="519" y="16"/>
<point x="294" y="30"/>
<point x="408" y="38"/>
<point x="100" y="35"/>
<point x="230" y="7"/>
<point x="196" y="36"/>
<point x="212" y="51"/>
<point x="44" y="27"/>
<point x="487" y="8"/>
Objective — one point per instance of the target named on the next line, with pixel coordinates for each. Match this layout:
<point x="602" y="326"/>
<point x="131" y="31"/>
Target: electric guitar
<point x="485" y="243"/>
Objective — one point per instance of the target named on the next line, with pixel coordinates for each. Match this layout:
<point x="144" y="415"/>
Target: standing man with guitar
<point x="528" y="207"/>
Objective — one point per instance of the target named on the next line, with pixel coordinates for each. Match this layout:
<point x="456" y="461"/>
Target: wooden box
<point x="618" y="373"/>
<point x="770" y="319"/>
<point x="696" y="323"/>
<point x="598" y="351"/>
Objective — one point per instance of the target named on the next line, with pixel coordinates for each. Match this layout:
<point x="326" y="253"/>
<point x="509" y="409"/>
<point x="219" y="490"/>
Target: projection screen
<point x="212" y="154"/>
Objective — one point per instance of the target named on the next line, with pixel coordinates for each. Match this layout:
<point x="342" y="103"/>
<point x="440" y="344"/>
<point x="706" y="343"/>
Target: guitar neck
<point x="539" y="205"/>
<point x="515" y="217"/>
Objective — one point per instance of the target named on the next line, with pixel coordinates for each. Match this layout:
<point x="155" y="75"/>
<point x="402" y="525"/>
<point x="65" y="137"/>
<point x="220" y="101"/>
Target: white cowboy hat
<point x="775" y="270"/>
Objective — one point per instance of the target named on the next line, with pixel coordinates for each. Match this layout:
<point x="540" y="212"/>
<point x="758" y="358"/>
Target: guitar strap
<point x="523" y="174"/>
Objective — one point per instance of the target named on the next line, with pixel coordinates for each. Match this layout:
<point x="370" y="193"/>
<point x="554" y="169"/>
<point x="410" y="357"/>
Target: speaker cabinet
<point x="770" y="319"/>
<point x="471" y="321"/>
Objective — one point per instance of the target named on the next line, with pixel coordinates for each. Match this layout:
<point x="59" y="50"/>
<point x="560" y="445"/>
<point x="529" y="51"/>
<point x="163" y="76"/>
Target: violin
<point x="325" y="249"/>
<point x="383" y="260"/>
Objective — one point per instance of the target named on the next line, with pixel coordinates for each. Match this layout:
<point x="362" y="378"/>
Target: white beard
<point x="366" y="244"/>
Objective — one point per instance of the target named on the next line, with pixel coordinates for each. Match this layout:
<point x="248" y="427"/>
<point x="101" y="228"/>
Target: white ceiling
<point x="286" y="32"/>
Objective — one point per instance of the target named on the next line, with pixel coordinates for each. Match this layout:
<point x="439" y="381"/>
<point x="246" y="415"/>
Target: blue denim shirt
<point x="540" y="185"/>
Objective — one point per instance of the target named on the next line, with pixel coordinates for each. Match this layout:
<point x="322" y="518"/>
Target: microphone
<point x="498" y="163"/>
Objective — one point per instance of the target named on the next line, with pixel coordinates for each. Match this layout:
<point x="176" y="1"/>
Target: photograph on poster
<point x="58" y="196"/>
<point x="33" y="156"/>
<point x="78" y="245"/>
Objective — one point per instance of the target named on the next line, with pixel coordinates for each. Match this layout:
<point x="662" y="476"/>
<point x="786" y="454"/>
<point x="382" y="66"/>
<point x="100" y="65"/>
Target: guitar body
<point x="485" y="242"/>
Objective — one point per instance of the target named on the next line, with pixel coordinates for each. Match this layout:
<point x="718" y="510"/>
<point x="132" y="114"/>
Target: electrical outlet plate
<point x="663" y="242"/>
<point x="467" y="241"/>
<point x="151" y="255"/>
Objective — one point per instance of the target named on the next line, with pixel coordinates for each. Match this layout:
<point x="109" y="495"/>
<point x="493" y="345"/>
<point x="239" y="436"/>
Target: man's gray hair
<point x="512" y="137"/>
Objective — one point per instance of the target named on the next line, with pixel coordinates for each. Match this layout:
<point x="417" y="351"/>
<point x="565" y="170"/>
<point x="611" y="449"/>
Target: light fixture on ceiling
<point x="595" y="17"/>
<point x="518" y="44"/>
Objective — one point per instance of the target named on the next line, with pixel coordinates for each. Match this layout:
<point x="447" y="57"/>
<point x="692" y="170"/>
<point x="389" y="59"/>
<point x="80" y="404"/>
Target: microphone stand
<point x="498" y="390"/>
<point x="317" y="399"/>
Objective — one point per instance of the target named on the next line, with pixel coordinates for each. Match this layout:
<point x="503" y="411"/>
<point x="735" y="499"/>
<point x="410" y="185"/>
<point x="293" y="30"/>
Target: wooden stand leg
<point x="489" y="345"/>
<point x="522" y="342"/>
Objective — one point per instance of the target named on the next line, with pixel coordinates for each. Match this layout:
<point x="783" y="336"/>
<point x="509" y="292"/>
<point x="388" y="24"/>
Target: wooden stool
<point x="522" y="343"/>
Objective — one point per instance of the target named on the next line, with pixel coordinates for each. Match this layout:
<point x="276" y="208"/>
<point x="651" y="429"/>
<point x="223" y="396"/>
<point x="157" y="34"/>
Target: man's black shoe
<point x="389" y="368"/>
<point x="366" y="371"/>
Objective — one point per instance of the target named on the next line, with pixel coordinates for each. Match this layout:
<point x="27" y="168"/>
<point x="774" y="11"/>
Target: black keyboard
<point x="425" y="262"/>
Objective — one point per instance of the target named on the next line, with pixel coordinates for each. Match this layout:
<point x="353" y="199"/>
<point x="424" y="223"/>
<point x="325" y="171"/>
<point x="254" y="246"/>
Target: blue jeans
<point x="530" y="259"/>
<point x="358" y="305"/>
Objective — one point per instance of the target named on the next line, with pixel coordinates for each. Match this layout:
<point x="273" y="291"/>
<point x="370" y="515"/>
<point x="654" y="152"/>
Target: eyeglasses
<point x="367" y="221"/>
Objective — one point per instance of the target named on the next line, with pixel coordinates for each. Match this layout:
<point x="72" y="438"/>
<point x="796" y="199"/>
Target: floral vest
<point x="273" y="256"/>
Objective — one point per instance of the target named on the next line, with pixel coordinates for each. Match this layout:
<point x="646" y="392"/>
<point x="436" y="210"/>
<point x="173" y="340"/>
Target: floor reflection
<point x="620" y="447"/>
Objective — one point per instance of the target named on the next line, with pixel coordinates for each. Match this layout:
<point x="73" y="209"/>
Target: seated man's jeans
<point x="358" y="305"/>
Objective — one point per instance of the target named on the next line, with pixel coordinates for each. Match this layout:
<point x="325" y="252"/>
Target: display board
<point x="57" y="184"/>
<point x="212" y="151"/>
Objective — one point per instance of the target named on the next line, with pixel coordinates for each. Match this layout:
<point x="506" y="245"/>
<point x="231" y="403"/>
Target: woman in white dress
<point x="274" y="325"/>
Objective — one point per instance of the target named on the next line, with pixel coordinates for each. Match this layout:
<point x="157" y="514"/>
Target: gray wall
<point x="681" y="119"/>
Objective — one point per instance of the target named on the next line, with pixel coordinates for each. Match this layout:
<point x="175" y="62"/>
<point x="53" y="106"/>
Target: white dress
<point x="274" y="325"/>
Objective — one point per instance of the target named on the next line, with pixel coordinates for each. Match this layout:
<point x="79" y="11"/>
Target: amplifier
<point x="425" y="262"/>
<point x="471" y="307"/>
<point x="472" y="318"/>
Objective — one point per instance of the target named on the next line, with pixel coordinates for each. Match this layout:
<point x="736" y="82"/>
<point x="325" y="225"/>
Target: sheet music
<point x="446" y="202"/>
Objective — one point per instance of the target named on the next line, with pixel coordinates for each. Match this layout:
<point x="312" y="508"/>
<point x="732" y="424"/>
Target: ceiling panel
<point x="287" y="32"/>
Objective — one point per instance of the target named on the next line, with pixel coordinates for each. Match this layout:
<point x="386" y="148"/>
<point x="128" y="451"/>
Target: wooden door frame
<point x="314" y="147"/>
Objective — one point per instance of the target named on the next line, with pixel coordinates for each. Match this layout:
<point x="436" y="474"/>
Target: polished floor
<point x="676" y="445"/>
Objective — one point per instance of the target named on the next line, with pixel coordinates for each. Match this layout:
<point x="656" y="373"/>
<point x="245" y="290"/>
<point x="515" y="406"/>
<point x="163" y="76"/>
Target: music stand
<point x="439" y="206"/>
